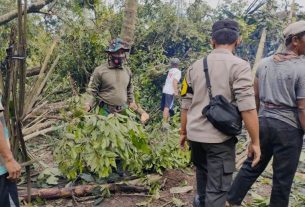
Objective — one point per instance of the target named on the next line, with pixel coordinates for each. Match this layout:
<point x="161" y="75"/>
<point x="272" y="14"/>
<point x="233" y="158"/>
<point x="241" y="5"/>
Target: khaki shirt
<point x="111" y="85"/>
<point x="231" y="77"/>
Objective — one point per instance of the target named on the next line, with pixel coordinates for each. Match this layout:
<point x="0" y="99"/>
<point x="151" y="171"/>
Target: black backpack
<point x="223" y="115"/>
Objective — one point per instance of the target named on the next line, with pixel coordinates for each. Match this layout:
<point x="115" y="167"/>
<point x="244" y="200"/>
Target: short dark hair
<point x="225" y="31"/>
<point x="289" y="39"/>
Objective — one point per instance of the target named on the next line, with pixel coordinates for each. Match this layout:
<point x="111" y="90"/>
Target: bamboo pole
<point x="33" y="94"/>
<point x="260" y="50"/>
<point x="19" y="73"/>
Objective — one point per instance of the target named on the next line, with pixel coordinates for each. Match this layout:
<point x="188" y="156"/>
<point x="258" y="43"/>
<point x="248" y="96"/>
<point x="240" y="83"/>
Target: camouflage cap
<point x="117" y="44"/>
<point x="294" y="29"/>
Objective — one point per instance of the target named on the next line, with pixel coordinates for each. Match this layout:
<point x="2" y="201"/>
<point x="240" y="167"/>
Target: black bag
<point x="223" y="115"/>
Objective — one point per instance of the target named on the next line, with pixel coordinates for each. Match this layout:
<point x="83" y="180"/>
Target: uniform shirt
<point x="281" y="83"/>
<point x="173" y="74"/>
<point x="5" y="130"/>
<point x="231" y="77"/>
<point x="111" y="85"/>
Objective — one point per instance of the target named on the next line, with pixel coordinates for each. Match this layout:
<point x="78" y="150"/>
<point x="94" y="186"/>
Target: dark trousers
<point x="284" y="143"/>
<point x="8" y="193"/>
<point x="215" y="164"/>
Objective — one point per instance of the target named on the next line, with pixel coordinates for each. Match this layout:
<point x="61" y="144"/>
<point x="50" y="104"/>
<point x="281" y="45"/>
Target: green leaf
<point x="52" y="180"/>
<point x="178" y="203"/>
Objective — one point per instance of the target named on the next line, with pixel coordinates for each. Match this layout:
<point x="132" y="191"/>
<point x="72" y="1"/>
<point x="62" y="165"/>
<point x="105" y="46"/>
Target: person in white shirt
<point x="170" y="89"/>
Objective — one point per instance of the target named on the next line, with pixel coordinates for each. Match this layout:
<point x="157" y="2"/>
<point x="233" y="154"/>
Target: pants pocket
<point x="228" y="169"/>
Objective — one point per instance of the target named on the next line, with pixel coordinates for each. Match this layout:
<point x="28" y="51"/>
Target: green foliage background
<point x="86" y="27"/>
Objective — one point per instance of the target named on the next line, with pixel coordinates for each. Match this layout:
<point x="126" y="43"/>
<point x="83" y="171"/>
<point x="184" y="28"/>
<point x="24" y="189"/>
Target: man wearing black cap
<point x="213" y="152"/>
<point x="280" y="96"/>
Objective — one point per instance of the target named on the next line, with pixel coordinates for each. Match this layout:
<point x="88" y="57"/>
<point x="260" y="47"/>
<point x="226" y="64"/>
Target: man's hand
<point x="176" y="94"/>
<point x="14" y="169"/>
<point x="183" y="139"/>
<point x="144" y="117"/>
<point x="133" y="106"/>
<point x="87" y="107"/>
<point x="254" y="151"/>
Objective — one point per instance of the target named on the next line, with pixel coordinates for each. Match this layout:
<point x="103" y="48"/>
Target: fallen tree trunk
<point x="82" y="190"/>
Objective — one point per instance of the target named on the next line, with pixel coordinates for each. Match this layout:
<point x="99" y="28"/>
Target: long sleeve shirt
<point x="231" y="77"/>
<point x="111" y="85"/>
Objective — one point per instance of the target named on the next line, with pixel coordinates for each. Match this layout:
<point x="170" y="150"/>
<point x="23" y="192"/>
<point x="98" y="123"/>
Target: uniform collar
<point x="222" y="51"/>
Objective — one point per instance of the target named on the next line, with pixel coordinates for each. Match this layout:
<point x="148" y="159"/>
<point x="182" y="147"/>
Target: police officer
<point x="280" y="91"/>
<point x="213" y="153"/>
<point x="110" y="85"/>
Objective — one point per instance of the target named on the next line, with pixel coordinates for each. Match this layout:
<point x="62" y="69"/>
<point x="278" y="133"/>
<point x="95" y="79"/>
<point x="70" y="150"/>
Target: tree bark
<point x="19" y="83"/>
<point x="129" y="21"/>
<point x="33" y="8"/>
<point x="33" y="71"/>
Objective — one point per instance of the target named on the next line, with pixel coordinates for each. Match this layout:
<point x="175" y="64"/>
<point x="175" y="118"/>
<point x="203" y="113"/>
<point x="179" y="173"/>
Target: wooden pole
<point x="260" y="50"/>
<point x="19" y="72"/>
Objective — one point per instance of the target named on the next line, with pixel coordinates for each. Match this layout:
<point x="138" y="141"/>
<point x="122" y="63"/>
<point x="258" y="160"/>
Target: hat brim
<point x="124" y="50"/>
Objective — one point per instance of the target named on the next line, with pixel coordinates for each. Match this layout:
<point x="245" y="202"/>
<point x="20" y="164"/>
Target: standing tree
<point x="129" y="21"/>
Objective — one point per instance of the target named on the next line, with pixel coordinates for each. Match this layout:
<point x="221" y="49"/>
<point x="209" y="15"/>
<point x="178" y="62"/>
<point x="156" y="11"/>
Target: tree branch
<point x="33" y="8"/>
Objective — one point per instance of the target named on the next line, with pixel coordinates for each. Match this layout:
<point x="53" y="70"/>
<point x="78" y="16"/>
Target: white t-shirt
<point x="173" y="73"/>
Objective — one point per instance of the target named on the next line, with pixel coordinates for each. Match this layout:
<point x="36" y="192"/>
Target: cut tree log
<point x="82" y="190"/>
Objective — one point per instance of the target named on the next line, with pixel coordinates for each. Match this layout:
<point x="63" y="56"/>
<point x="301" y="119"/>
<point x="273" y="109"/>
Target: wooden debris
<point x="180" y="190"/>
<point x="79" y="191"/>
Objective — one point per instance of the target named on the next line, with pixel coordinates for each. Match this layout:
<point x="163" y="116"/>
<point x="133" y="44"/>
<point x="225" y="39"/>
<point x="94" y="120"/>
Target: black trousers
<point x="8" y="192"/>
<point x="284" y="143"/>
<point x="215" y="164"/>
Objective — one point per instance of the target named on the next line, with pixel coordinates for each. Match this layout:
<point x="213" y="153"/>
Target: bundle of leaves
<point x="165" y="151"/>
<point x="91" y="143"/>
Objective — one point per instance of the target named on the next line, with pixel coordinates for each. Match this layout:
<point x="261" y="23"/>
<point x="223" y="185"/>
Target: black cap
<point x="226" y="24"/>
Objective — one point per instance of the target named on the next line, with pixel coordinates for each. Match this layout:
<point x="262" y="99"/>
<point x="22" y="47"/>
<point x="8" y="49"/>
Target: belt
<point x="274" y="106"/>
<point x="111" y="108"/>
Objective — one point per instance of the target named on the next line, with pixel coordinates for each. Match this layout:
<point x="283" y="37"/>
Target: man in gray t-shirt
<point x="280" y="96"/>
<point x="281" y="83"/>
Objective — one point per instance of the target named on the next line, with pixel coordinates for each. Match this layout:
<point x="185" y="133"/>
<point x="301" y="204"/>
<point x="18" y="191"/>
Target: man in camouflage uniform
<point x="110" y="85"/>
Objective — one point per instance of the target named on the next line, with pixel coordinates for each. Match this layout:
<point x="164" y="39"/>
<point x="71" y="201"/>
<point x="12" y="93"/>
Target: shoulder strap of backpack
<point x="207" y="77"/>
